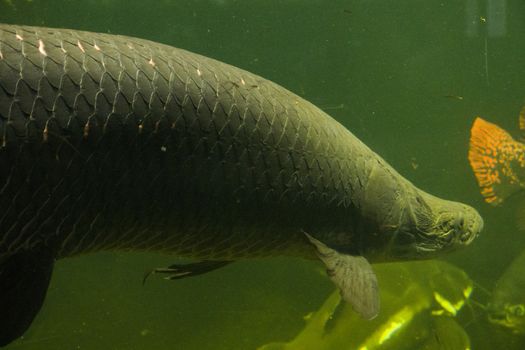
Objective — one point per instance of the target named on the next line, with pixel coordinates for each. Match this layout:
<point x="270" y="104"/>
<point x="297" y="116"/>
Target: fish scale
<point x="201" y="105"/>
<point x="116" y="143"/>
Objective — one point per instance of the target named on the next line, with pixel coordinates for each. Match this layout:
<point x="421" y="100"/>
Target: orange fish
<point x="498" y="161"/>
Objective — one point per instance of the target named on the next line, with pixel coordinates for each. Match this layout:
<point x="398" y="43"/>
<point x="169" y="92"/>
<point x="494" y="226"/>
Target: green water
<point x="407" y="77"/>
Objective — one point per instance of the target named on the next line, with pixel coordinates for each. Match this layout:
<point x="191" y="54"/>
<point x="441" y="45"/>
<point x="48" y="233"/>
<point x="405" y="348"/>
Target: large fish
<point x="117" y="143"/>
<point x="507" y="305"/>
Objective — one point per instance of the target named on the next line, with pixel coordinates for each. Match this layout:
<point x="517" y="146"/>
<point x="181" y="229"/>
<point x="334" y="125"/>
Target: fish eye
<point x="518" y="310"/>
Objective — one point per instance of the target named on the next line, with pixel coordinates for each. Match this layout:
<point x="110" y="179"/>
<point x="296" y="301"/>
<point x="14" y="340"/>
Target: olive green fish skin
<point x="110" y="142"/>
<point x="507" y="305"/>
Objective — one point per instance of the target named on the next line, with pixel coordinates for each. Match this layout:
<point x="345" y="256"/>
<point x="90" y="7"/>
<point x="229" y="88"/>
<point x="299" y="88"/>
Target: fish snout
<point x="454" y="226"/>
<point x="470" y="225"/>
<point x="460" y="225"/>
<point x="497" y="317"/>
<point x="511" y="316"/>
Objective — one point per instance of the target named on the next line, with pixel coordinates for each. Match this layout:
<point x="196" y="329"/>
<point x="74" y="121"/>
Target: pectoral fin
<point x="178" y="271"/>
<point x="24" y="278"/>
<point x="354" y="277"/>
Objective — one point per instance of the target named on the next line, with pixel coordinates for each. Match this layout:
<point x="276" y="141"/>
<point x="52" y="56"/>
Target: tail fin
<point x="496" y="160"/>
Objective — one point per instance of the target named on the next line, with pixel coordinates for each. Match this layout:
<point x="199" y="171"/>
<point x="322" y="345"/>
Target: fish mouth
<point x="442" y="226"/>
<point x="511" y="316"/>
<point x="455" y="227"/>
<point x="500" y="318"/>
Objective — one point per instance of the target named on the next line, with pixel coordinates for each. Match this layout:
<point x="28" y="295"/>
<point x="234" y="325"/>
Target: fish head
<point x="429" y="226"/>
<point x="507" y="304"/>
<point x="508" y="315"/>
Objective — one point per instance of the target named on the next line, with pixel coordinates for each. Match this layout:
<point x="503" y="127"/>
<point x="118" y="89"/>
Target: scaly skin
<point x="117" y="143"/>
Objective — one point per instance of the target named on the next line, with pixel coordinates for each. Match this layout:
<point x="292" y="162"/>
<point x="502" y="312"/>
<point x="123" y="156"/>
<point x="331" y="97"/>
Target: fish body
<point x="498" y="162"/>
<point x="507" y="305"/>
<point x="116" y="143"/>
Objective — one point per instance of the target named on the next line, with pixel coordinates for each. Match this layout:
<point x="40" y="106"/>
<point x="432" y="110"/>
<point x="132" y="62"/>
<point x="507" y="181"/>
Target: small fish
<point x="498" y="161"/>
<point x="507" y="306"/>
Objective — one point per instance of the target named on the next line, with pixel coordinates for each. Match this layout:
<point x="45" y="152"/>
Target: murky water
<point x="407" y="77"/>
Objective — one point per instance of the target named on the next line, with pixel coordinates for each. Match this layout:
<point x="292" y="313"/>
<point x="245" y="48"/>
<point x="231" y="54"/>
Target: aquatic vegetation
<point x="420" y="300"/>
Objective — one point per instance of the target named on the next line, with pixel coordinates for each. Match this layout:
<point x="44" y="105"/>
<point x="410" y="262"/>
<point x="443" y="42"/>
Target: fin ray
<point x="494" y="157"/>
<point x="178" y="271"/>
<point x="354" y="277"/>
